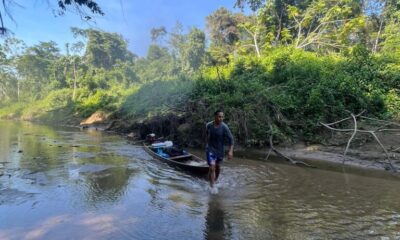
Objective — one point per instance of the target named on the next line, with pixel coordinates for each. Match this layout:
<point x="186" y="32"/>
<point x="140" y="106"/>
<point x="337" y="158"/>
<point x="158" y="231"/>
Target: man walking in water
<point x="216" y="132"/>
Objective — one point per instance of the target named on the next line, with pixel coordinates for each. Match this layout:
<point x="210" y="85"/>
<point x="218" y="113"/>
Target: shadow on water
<point x="217" y="222"/>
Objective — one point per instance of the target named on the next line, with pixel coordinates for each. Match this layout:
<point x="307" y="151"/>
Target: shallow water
<point x="62" y="183"/>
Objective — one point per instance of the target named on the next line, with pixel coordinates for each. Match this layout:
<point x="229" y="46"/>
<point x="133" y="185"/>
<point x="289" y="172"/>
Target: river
<point x="65" y="183"/>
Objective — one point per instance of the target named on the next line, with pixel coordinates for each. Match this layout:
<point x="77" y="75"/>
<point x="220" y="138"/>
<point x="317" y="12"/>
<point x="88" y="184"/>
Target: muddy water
<point x="60" y="183"/>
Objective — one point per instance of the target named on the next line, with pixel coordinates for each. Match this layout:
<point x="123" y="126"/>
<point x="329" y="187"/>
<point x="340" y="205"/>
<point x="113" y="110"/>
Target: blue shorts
<point x="212" y="159"/>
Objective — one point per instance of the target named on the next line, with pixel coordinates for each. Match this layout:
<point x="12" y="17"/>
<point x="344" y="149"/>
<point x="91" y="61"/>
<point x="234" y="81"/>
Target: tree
<point x="254" y="34"/>
<point x="159" y="64"/>
<point x="253" y="4"/>
<point x="104" y="49"/>
<point x="35" y="65"/>
<point x="10" y="51"/>
<point x="7" y="78"/>
<point x="222" y="27"/>
<point x="75" y="60"/>
<point x="382" y="17"/>
<point x="158" y="33"/>
<point x="314" y="25"/>
<point x="325" y="24"/>
<point x="391" y="35"/>
<point x="176" y="40"/>
<point x="275" y="17"/>
<point x="193" y="50"/>
<point x="63" y="5"/>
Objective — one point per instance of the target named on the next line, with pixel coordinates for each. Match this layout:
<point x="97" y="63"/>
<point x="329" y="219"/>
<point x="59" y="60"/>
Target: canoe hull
<point x="193" y="169"/>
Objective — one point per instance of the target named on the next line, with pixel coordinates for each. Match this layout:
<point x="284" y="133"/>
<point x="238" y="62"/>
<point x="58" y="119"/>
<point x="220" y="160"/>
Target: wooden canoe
<point x="187" y="162"/>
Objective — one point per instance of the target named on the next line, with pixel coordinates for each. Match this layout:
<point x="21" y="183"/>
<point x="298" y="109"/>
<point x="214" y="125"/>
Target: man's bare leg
<point x="217" y="171"/>
<point x="211" y="175"/>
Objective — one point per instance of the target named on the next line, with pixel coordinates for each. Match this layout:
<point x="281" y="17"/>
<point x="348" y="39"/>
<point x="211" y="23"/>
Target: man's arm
<point x="206" y="140"/>
<point x="230" y="142"/>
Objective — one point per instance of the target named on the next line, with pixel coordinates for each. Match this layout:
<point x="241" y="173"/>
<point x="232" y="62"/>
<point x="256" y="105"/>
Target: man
<point x="216" y="133"/>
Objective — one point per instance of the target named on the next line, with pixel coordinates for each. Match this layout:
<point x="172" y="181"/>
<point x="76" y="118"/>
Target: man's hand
<point x="230" y="152"/>
<point x="230" y="155"/>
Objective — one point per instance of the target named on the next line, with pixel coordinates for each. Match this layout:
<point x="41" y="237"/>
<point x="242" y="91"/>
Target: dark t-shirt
<point x="216" y="137"/>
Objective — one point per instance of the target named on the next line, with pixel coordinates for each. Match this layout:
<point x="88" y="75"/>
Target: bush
<point x="100" y="100"/>
<point x="157" y="98"/>
<point x="292" y="90"/>
<point x="40" y="109"/>
<point x="11" y="111"/>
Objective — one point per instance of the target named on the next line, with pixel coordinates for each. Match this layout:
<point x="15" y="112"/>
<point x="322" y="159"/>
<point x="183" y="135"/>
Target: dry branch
<point x="272" y="148"/>
<point x="355" y="130"/>
<point x="397" y="149"/>
<point x="351" y="138"/>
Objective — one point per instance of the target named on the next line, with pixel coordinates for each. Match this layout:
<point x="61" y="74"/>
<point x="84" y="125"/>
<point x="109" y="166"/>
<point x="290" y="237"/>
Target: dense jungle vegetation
<point x="286" y="64"/>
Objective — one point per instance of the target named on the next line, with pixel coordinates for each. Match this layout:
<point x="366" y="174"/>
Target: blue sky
<point x="35" y="21"/>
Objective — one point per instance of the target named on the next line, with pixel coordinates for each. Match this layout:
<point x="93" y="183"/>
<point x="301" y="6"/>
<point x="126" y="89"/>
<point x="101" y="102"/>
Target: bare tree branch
<point x="388" y="162"/>
<point x="271" y="145"/>
<point x="351" y="138"/>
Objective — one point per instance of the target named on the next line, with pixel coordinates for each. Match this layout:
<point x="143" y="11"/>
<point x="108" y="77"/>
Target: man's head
<point x="218" y="116"/>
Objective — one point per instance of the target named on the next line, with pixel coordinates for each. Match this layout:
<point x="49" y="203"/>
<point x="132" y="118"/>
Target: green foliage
<point x="11" y="110"/>
<point x="193" y="51"/>
<point x="158" y="65"/>
<point x="294" y="90"/>
<point x="100" y="100"/>
<point x="392" y="103"/>
<point x="37" y="110"/>
<point x="105" y="49"/>
<point x="222" y="25"/>
<point x="157" y="98"/>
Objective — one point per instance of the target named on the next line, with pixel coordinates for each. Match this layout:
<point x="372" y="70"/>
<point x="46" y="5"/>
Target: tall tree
<point x="35" y="65"/>
<point x="75" y="60"/>
<point x="10" y="81"/>
<point x="391" y="34"/>
<point x="105" y="49"/>
<point x="223" y="29"/>
<point x="193" y="50"/>
<point x="254" y="33"/>
<point x="382" y="18"/>
<point x="159" y="64"/>
<point x="325" y="24"/>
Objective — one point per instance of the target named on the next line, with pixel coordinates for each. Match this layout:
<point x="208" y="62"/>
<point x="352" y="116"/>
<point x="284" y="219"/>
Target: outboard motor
<point x="150" y="138"/>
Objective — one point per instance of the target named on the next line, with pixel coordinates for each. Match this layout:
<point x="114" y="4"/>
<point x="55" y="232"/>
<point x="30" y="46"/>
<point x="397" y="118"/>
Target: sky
<point x="35" y="19"/>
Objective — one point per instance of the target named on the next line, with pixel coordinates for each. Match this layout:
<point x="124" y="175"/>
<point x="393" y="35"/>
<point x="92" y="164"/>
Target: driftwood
<point x="272" y="148"/>
<point x="388" y="160"/>
<point x="396" y="150"/>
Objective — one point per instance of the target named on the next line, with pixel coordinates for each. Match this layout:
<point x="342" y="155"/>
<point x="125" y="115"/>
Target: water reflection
<point x="107" y="185"/>
<point x="217" y="223"/>
<point x="43" y="156"/>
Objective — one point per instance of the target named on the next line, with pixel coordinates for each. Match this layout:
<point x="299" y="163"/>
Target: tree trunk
<point x="278" y="34"/>
<point x="74" y="91"/>
<point x="18" y="89"/>
<point x="374" y="49"/>
<point x="256" y="44"/>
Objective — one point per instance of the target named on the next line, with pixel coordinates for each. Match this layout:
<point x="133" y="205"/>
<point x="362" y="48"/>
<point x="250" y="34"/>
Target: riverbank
<point x="364" y="152"/>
